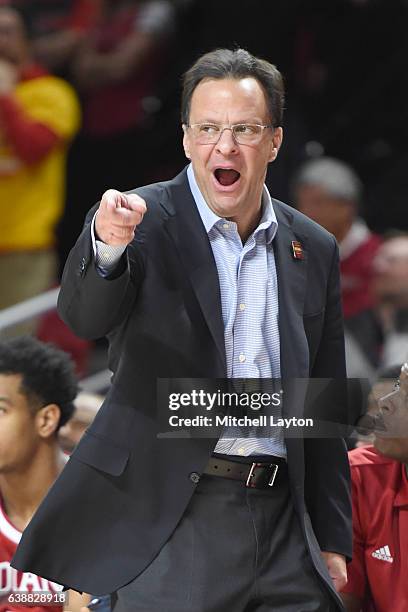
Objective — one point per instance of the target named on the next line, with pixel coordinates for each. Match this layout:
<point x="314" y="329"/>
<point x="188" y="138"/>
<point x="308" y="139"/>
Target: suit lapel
<point x="190" y="238"/>
<point x="292" y="275"/>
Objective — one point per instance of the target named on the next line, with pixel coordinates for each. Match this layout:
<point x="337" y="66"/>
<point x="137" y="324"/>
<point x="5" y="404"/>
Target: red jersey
<point x="379" y="569"/>
<point x="13" y="582"/>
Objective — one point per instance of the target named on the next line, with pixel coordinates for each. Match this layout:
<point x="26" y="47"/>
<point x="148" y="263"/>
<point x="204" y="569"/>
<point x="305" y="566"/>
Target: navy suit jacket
<point x="124" y="490"/>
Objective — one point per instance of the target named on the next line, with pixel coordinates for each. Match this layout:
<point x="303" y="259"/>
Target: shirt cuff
<point x="106" y="256"/>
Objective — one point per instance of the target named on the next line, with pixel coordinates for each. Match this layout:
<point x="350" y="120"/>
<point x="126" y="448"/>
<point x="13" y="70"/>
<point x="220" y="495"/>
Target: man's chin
<point x="226" y="209"/>
<point x="381" y="444"/>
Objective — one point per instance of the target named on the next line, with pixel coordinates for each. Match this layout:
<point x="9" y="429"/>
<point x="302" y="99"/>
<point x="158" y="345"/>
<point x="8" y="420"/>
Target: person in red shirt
<point x="37" y="390"/>
<point x="39" y="116"/>
<point x="377" y="575"/>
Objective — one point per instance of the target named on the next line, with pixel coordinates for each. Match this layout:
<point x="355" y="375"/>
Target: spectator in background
<point x="39" y="114"/>
<point x="369" y="405"/>
<point x="117" y="64"/>
<point x="329" y="192"/>
<point x="59" y="27"/>
<point x="381" y="332"/>
<point x="116" y="69"/>
<point x="377" y="575"/>
<point x="390" y="288"/>
<point x="37" y="391"/>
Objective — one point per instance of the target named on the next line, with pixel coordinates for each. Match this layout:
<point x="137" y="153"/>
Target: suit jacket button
<point x="194" y="477"/>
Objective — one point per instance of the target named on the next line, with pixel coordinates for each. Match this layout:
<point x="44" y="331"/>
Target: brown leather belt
<point x="255" y="475"/>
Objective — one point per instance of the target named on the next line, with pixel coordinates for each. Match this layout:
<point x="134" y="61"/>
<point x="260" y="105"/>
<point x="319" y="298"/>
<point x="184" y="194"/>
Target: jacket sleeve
<point x="93" y="305"/>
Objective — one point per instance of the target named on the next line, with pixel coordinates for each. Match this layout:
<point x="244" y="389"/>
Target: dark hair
<point x="235" y="64"/>
<point x="47" y="373"/>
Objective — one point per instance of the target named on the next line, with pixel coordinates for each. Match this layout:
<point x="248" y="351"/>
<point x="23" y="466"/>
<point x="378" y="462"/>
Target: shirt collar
<point x="268" y="222"/>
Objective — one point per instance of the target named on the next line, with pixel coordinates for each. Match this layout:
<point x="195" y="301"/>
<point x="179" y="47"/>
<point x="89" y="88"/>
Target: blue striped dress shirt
<point x="249" y="300"/>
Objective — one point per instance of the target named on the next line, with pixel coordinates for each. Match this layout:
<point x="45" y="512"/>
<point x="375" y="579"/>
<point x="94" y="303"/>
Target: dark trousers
<point x="235" y="550"/>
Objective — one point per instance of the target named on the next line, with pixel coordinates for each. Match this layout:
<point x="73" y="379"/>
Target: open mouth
<point x="226" y="176"/>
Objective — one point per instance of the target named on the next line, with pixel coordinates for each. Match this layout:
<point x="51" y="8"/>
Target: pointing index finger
<point x="134" y="202"/>
<point x="112" y="199"/>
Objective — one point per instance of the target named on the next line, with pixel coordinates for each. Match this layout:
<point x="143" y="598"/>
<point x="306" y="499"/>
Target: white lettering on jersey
<point x="13" y="581"/>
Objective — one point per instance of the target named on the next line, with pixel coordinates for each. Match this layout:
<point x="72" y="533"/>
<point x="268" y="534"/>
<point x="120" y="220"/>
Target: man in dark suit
<point x="204" y="276"/>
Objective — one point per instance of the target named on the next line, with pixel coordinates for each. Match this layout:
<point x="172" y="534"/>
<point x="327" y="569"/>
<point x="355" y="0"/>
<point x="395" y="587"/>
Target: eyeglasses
<point x="243" y="133"/>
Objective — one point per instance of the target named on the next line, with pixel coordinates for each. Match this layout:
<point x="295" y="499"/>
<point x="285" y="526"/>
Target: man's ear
<point x="276" y="143"/>
<point x="186" y="143"/>
<point x="47" y="419"/>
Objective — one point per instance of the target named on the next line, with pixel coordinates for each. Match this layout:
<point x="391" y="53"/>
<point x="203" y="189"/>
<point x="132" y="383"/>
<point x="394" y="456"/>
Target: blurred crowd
<point x="89" y="98"/>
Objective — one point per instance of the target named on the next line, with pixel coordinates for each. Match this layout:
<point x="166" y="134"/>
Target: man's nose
<point x="226" y="143"/>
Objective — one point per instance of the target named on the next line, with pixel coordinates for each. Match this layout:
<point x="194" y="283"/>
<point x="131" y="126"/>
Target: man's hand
<point x="118" y="216"/>
<point x="336" y="564"/>
<point x="8" y="77"/>
<point x="76" y="601"/>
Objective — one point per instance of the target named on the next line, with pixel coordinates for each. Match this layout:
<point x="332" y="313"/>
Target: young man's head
<point x="37" y="390"/>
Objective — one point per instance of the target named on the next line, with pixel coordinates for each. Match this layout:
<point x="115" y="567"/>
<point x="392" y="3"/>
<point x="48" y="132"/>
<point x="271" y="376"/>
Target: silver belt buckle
<point x="251" y="471"/>
<point x="275" y="471"/>
<point x="272" y="478"/>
